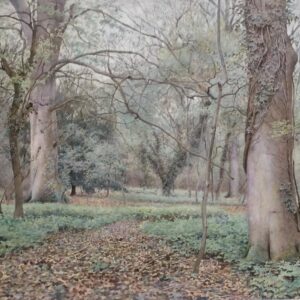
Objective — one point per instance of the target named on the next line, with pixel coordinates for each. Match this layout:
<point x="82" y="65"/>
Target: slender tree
<point x="268" y="161"/>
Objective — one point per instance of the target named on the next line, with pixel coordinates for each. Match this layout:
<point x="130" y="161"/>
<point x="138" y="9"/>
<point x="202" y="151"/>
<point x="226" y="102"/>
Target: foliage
<point x="178" y="196"/>
<point x="89" y="156"/>
<point x="178" y="224"/>
<point x="227" y="239"/>
<point x="227" y="235"/>
<point x="276" y="280"/>
<point x="42" y="220"/>
<point x="117" y="262"/>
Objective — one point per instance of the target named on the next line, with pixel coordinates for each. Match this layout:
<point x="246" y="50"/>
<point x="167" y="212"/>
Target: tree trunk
<point x="166" y="187"/>
<point x="14" y="129"/>
<point x="234" y="183"/>
<point x="202" y="248"/>
<point x="172" y="172"/>
<point x="73" y="190"/>
<point x="16" y="167"/>
<point x="222" y="165"/>
<point x="268" y="160"/>
<point x="189" y="175"/>
<point x="45" y="184"/>
<point x="107" y="192"/>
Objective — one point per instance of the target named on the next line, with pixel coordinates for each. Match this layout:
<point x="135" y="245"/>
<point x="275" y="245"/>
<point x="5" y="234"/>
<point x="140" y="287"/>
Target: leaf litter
<point x="116" y="262"/>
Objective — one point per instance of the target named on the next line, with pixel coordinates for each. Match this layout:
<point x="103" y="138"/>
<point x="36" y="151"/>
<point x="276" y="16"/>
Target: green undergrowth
<point x="154" y="196"/>
<point x="180" y="225"/>
<point x="44" y="219"/>
<point x="274" y="280"/>
<point x="227" y="235"/>
<point x="227" y="240"/>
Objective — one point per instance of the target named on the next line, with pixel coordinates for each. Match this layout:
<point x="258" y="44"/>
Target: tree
<point x="165" y="167"/>
<point x="45" y="185"/>
<point x="42" y="25"/>
<point x="268" y="159"/>
<point x="89" y="156"/>
<point x="167" y="163"/>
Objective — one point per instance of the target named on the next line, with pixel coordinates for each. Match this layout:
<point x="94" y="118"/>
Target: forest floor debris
<point x="115" y="262"/>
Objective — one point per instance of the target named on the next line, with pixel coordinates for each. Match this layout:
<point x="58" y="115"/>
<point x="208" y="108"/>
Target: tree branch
<point x="24" y="14"/>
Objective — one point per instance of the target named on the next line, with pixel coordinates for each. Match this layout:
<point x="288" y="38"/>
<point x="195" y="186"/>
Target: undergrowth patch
<point x="274" y="280"/>
<point x="180" y="225"/>
<point x="227" y="235"/>
<point x="227" y="240"/>
<point x="44" y="219"/>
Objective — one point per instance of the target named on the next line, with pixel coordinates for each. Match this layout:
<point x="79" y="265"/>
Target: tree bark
<point x="224" y="157"/>
<point x="189" y="175"/>
<point x="167" y="172"/>
<point x="73" y="190"/>
<point x="268" y="159"/>
<point x="45" y="184"/>
<point x="234" y="182"/>
<point x="202" y="248"/>
<point x="14" y="129"/>
<point x="166" y="187"/>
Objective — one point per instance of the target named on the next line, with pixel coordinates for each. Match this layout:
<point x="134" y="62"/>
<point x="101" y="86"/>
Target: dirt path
<point x="117" y="262"/>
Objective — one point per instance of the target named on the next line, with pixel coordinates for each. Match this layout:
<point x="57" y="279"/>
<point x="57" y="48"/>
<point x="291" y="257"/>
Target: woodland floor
<point x="115" y="262"/>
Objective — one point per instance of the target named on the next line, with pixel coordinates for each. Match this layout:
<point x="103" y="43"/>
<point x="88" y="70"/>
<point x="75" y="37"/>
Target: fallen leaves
<point x="117" y="262"/>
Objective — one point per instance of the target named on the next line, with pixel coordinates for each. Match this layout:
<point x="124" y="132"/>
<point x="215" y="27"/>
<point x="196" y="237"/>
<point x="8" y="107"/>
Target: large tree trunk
<point x="45" y="184"/>
<point x="42" y="28"/>
<point x="234" y="182"/>
<point x="272" y="205"/>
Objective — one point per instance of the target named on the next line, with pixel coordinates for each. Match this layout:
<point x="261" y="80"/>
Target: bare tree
<point x="202" y="248"/>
